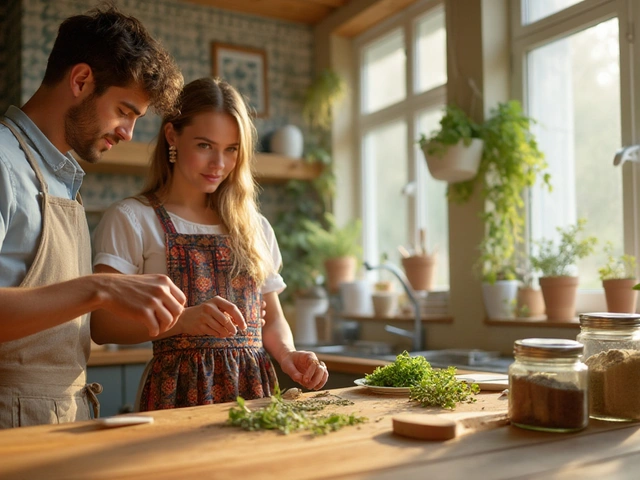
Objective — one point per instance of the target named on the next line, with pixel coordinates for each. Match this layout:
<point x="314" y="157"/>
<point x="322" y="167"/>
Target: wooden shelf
<point x="397" y="318"/>
<point x="133" y="158"/>
<point x="533" y="322"/>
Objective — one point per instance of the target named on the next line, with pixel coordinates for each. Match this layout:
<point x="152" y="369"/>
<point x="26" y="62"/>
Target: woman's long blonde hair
<point x="235" y="199"/>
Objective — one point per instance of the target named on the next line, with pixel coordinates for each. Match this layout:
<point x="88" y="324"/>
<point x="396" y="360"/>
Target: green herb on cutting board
<point x="432" y="387"/>
<point x="293" y="416"/>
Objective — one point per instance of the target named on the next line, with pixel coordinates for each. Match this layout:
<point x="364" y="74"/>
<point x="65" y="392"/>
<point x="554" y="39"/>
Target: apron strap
<point x="30" y="157"/>
<point x="93" y="389"/>
<point x="163" y="215"/>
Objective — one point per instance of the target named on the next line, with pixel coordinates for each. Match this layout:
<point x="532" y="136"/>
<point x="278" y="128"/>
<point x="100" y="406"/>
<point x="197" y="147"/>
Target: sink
<point x="467" y="359"/>
<point x="356" y="349"/>
<point x="480" y="360"/>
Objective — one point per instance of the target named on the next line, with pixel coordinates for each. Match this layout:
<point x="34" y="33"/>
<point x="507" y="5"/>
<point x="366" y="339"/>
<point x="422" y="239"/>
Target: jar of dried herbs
<point x="548" y="385"/>
<point x="612" y="353"/>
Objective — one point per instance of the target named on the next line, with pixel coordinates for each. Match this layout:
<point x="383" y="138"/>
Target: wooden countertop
<point x="125" y="356"/>
<point x="195" y="443"/>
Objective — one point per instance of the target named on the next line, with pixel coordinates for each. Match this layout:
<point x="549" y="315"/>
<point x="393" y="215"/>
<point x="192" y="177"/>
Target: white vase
<point x="500" y="299"/>
<point x="307" y="309"/>
<point x="288" y="141"/>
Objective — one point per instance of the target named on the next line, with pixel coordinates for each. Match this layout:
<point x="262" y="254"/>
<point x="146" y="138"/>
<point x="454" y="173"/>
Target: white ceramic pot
<point x="307" y="309"/>
<point x="288" y="141"/>
<point x="458" y="163"/>
<point x="500" y="299"/>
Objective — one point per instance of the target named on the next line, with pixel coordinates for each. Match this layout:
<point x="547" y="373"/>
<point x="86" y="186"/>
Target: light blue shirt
<point x="20" y="211"/>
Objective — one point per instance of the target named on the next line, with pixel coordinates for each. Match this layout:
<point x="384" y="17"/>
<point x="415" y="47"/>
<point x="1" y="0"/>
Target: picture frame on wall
<point x="246" y="69"/>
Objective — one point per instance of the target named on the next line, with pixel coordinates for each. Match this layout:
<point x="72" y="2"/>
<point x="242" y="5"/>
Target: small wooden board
<point x="445" y="427"/>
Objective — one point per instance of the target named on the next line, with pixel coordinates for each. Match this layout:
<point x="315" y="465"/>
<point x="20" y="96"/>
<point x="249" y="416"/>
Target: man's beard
<point x="82" y="130"/>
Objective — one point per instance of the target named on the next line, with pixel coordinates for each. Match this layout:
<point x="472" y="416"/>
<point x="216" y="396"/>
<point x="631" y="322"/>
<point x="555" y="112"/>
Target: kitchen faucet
<point x="416" y="335"/>
<point x="626" y="153"/>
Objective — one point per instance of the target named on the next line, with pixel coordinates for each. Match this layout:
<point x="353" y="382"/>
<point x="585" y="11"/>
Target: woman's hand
<point x="305" y="368"/>
<point x="216" y="317"/>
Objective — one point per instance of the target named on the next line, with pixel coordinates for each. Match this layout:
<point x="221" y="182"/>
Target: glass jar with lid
<point x="548" y="385"/>
<point x="612" y="353"/>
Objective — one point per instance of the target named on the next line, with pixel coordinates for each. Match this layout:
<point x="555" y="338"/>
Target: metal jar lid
<point x="547" y="348"/>
<point x="610" y="321"/>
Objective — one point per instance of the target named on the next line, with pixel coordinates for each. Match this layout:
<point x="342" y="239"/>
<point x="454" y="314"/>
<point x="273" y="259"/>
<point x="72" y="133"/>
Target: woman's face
<point x="207" y="151"/>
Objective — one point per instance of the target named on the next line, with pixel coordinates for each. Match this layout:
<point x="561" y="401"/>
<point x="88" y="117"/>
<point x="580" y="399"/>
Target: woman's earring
<point x="173" y="154"/>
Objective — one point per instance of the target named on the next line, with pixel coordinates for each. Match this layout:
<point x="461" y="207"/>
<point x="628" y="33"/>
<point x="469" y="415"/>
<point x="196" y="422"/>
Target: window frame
<point x="564" y="23"/>
<point x="407" y="110"/>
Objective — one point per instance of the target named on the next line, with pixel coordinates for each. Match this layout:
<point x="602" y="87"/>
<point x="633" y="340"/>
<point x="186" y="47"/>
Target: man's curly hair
<point x="120" y="52"/>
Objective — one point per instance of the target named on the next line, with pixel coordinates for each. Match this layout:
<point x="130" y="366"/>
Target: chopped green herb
<point x="432" y="387"/>
<point x="441" y="388"/>
<point x="292" y="416"/>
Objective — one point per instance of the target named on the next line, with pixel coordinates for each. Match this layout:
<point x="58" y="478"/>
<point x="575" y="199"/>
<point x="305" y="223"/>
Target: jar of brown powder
<point x="548" y="385"/>
<point x="612" y="353"/>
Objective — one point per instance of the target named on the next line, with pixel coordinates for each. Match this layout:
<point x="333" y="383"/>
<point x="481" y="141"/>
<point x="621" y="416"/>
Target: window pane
<point x="386" y="175"/>
<point x="534" y="10"/>
<point x="574" y="94"/>
<point x="431" y="52"/>
<point x="432" y="204"/>
<point x="384" y="72"/>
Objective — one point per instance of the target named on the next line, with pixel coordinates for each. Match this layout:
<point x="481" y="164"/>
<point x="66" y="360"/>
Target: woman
<point x="197" y="220"/>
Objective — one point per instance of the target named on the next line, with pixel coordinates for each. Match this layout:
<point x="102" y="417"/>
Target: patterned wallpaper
<point x="187" y="30"/>
<point x="10" y="47"/>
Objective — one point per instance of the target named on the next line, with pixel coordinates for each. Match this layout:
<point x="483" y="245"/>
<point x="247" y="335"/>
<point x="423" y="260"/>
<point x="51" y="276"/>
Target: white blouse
<point x="130" y="239"/>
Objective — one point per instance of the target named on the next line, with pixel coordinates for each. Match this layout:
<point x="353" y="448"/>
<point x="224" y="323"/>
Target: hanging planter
<point x="457" y="163"/>
<point x="453" y="152"/>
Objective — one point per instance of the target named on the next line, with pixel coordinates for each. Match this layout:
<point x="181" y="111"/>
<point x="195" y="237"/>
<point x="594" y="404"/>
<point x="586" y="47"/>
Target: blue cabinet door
<point x="111" y="398"/>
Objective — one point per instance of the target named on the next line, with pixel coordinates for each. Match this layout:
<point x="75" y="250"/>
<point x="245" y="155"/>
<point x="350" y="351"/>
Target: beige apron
<point x="43" y="376"/>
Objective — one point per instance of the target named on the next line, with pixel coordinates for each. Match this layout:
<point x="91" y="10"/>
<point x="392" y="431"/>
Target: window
<point x="402" y="75"/>
<point x="534" y="10"/>
<point x="568" y="68"/>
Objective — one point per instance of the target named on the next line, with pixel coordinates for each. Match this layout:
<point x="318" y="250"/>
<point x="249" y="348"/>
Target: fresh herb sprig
<point x="432" y="387"/>
<point x="292" y="416"/>
<point x="441" y="388"/>
<point x="403" y="372"/>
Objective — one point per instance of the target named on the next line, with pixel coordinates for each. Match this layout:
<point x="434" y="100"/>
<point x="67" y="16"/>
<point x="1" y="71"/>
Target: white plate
<point x="486" y="381"/>
<point x="123" y="421"/>
<point x="361" y="382"/>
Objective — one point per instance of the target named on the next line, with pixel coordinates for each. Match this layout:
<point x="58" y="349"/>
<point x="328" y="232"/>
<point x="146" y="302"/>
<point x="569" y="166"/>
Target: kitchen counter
<point x="195" y="443"/>
<point x="335" y="363"/>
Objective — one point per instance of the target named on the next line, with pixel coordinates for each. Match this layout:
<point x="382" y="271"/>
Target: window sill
<point x="532" y="322"/>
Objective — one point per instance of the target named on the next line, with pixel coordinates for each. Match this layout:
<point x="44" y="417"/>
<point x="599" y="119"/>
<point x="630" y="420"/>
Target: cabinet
<point x="119" y="373"/>
<point x="133" y="158"/>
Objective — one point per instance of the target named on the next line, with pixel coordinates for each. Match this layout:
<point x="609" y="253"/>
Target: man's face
<point x="100" y="122"/>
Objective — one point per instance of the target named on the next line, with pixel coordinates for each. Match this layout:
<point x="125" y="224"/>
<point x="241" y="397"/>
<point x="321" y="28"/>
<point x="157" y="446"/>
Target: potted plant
<point x="529" y="301"/>
<point x="453" y="151"/>
<point x="556" y="264"/>
<point x="511" y="163"/>
<point x="618" y="278"/>
<point x="337" y="249"/>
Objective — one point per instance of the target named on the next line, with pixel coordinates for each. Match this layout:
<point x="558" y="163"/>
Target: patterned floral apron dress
<point x="190" y="370"/>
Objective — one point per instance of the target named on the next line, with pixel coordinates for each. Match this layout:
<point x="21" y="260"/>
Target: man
<point x="103" y="73"/>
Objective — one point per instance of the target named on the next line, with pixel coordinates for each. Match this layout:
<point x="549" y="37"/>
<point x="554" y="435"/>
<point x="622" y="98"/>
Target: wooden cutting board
<point x="426" y="426"/>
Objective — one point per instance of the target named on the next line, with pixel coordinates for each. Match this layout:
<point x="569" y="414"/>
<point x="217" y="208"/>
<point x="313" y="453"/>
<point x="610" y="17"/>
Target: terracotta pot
<point x="530" y="302"/>
<point x="338" y="270"/>
<point x="559" y="297"/>
<point x="620" y="295"/>
<point x="420" y="270"/>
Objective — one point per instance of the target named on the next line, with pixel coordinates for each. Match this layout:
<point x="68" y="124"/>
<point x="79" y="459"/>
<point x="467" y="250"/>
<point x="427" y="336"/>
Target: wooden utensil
<point x="446" y="427"/>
